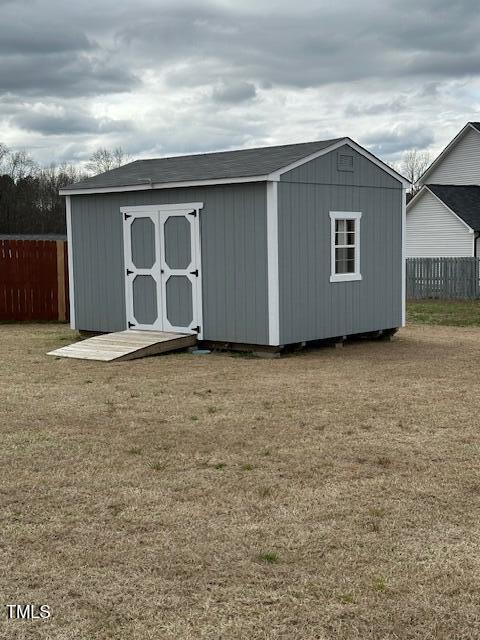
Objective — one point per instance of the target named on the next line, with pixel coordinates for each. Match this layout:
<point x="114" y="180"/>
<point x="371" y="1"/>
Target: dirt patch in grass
<point x="444" y="312"/>
<point x="328" y="495"/>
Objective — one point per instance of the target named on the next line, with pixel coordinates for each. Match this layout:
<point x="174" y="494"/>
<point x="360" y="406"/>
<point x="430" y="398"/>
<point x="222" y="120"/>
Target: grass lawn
<point x="441" y="312"/>
<point x="333" y="494"/>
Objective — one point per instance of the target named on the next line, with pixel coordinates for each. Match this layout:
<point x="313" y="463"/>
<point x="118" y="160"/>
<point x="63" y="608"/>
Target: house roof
<point x="223" y="166"/>
<point x="448" y="148"/>
<point x="463" y="200"/>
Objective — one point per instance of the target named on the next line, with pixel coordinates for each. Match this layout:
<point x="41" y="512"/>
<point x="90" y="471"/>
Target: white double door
<point x="163" y="268"/>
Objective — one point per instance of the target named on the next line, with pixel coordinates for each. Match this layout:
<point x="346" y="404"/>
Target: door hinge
<point x="196" y="329"/>
<point x="129" y="272"/>
<point x="126" y="216"/>
<point x="193" y="213"/>
<point x="131" y="324"/>
<point x="194" y="273"/>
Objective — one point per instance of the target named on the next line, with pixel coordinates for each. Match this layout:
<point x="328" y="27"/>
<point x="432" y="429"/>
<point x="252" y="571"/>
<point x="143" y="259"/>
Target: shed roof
<point x="463" y="200"/>
<point x="205" y="166"/>
<point x="221" y="166"/>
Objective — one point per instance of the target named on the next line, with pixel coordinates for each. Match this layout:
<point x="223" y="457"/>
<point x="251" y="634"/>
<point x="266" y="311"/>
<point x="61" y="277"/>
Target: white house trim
<point x="147" y="186"/>
<point x="272" y="264"/>
<point x="345" y="215"/>
<point x="446" y="151"/>
<point x="425" y="188"/>
<point x="404" y="257"/>
<point x="353" y="145"/>
<point x="71" y="286"/>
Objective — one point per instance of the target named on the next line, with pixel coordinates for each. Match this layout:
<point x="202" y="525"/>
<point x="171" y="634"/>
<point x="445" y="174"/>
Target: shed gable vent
<point x="345" y="162"/>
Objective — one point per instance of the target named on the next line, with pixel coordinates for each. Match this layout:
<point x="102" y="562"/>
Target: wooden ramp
<point x="125" y="345"/>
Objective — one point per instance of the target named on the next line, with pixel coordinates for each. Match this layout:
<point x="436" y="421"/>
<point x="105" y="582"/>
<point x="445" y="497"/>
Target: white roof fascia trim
<point x="447" y="150"/>
<point x="470" y="230"/>
<point x="275" y="175"/>
<point x="164" y="185"/>
<point x="353" y="145"/>
<point x="416" y="197"/>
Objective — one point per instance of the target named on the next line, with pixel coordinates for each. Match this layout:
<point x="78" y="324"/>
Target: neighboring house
<point x="443" y="219"/>
<point x="267" y="246"/>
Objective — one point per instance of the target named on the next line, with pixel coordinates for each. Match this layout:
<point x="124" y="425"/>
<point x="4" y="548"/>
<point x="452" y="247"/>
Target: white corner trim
<point x="272" y="265"/>
<point x="447" y="150"/>
<point x="147" y="186"/>
<point x="353" y="145"/>
<point x="345" y="215"/>
<point x="71" y="285"/>
<point x="404" y="257"/>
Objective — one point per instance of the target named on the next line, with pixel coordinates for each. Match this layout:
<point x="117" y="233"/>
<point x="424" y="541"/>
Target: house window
<point x="345" y="246"/>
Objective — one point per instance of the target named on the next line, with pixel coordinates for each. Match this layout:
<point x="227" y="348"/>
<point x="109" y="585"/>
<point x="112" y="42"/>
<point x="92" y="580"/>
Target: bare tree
<point x="19" y="164"/>
<point x="4" y="150"/>
<point x="413" y="166"/>
<point x="104" y="159"/>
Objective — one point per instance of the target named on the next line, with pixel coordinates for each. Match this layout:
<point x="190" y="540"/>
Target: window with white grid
<point x="345" y="246"/>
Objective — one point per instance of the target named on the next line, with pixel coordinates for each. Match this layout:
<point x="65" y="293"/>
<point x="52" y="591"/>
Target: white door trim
<point x="159" y="214"/>
<point x="194" y="265"/>
<point x="154" y="271"/>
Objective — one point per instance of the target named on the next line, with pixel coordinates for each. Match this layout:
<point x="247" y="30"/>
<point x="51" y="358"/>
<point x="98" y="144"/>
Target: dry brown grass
<point x="333" y="494"/>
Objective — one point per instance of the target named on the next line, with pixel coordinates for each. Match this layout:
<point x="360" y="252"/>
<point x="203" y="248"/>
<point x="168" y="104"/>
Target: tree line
<point x="29" y="199"/>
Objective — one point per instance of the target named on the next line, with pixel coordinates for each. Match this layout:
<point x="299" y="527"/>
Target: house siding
<point x="433" y="231"/>
<point x="461" y="165"/>
<point x="311" y="307"/>
<point x="234" y="259"/>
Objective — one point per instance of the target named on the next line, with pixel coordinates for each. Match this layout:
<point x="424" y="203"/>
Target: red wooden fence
<point x="33" y="280"/>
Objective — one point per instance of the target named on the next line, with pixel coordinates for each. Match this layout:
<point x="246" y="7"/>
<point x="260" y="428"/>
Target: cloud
<point x="60" y="121"/>
<point x="234" y="92"/>
<point x="171" y="77"/>
<point x="387" y="142"/>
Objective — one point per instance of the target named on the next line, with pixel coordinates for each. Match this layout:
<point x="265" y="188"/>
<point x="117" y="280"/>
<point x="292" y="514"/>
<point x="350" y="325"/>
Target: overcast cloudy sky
<point x="160" y="77"/>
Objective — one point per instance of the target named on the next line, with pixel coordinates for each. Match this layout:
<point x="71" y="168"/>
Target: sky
<point x="164" y="78"/>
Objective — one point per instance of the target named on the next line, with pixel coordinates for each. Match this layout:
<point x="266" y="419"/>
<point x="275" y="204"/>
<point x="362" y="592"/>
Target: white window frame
<point x="345" y="215"/>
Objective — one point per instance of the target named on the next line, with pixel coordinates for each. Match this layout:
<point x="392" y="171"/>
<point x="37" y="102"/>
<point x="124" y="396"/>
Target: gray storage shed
<point x="267" y="246"/>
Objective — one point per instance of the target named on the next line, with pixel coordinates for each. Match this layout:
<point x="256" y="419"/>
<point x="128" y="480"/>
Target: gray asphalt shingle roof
<point x="463" y="200"/>
<point x="205" y="166"/>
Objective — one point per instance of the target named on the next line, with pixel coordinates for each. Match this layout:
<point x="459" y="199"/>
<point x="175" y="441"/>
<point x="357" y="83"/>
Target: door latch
<point x="194" y="273"/>
<point x="129" y="272"/>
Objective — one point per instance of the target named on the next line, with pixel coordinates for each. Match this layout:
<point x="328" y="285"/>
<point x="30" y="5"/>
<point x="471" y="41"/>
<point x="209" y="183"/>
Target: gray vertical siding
<point x="234" y="259"/>
<point x="145" y="302"/>
<point x="311" y="307"/>
<point x="178" y="245"/>
<point x="143" y="243"/>
<point x="179" y="301"/>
